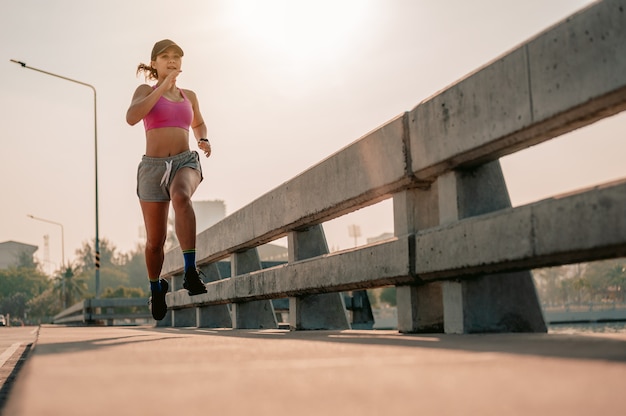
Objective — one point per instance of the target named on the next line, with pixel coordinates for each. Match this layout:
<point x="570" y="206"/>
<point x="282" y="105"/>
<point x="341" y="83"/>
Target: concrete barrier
<point x="105" y="310"/>
<point x="461" y="253"/>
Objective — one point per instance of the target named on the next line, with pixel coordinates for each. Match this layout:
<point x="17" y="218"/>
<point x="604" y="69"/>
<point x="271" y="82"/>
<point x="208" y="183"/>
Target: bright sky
<point x="282" y="85"/>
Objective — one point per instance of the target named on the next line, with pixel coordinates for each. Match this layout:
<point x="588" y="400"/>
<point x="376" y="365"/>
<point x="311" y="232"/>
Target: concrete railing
<point x="108" y="310"/>
<point x="460" y="255"/>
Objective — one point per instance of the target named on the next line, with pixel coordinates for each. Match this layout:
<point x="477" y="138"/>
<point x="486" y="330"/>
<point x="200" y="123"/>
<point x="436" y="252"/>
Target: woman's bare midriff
<point x="166" y="141"/>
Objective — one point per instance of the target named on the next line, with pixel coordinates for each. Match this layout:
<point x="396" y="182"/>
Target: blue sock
<point x="190" y="258"/>
<point x="155" y="285"/>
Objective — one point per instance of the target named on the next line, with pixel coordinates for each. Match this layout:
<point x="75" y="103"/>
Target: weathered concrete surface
<point x="217" y="316"/>
<point x="488" y="302"/>
<point x="378" y="264"/>
<point x="589" y="225"/>
<point x="526" y="237"/>
<point x="579" y="60"/>
<point x="149" y="371"/>
<point x="257" y="313"/>
<point x="321" y="311"/>
<point x="358" y="175"/>
<point x="568" y="76"/>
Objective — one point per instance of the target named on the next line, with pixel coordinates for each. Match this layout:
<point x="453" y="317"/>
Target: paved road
<point x="15" y="342"/>
<point x="160" y="371"/>
<point x="14" y="339"/>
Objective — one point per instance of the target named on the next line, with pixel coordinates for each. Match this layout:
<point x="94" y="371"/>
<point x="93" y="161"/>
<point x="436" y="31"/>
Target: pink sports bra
<point x="166" y="113"/>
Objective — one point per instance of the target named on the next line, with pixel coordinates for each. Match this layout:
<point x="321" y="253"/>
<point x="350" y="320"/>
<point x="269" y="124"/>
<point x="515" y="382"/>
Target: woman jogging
<point x="169" y="170"/>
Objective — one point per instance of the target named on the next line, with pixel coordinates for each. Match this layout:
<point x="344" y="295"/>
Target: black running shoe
<point x="158" y="307"/>
<point x="193" y="283"/>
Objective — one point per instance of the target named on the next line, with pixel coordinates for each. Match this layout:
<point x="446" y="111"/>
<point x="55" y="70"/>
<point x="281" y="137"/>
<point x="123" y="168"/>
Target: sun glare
<point x="300" y="31"/>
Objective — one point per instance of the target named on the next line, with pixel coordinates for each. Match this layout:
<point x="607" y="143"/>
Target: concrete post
<point x="179" y="317"/>
<point x="187" y="317"/>
<point x="361" y="311"/>
<point x="420" y="308"/>
<point x="255" y="314"/>
<point x="184" y="317"/>
<point x="504" y="302"/>
<point x="176" y="282"/>
<point x="495" y="303"/>
<point x="214" y="316"/>
<point x="322" y="311"/>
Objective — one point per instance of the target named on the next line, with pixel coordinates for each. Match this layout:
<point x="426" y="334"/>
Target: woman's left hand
<point x="205" y="146"/>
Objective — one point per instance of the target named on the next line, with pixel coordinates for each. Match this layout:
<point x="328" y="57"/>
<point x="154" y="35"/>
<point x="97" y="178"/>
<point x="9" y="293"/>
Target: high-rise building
<point x="208" y="213"/>
<point x="10" y="252"/>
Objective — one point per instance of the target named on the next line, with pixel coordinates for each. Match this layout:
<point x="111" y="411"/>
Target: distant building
<point x="273" y="253"/>
<point x="10" y="252"/>
<point x="382" y="237"/>
<point x="208" y="213"/>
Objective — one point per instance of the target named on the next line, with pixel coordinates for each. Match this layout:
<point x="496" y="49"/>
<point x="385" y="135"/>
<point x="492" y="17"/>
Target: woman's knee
<point x="155" y="246"/>
<point x="183" y="186"/>
<point x="180" y="198"/>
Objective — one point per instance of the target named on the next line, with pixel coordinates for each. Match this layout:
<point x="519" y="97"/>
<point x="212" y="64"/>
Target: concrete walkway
<point x="160" y="371"/>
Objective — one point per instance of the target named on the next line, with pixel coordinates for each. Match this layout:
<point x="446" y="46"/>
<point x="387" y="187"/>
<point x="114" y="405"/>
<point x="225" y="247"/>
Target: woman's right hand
<point x="170" y="79"/>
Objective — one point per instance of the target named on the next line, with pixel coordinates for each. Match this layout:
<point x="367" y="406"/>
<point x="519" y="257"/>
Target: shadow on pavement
<point x="591" y="347"/>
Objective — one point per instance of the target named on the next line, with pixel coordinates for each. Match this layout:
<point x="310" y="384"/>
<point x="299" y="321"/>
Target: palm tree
<point x="69" y="286"/>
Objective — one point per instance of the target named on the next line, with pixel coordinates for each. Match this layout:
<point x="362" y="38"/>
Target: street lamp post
<point x="95" y="132"/>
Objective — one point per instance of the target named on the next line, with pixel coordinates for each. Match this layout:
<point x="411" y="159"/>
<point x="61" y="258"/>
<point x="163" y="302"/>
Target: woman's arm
<point x="146" y="97"/>
<point x="197" y="125"/>
<point x="141" y="104"/>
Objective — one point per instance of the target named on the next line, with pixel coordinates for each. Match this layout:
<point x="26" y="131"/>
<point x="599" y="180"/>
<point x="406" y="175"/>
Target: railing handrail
<point x="416" y="147"/>
<point x="86" y="310"/>
<point x="453" y="222"/>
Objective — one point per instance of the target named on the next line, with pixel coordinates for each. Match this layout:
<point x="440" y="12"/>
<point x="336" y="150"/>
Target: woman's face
<point x="167" y="61"/>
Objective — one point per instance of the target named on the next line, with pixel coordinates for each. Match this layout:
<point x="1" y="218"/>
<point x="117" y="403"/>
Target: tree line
<point x="576" y="284"/>
<point x="597" y="282"/>
<point x="30" y="296"/>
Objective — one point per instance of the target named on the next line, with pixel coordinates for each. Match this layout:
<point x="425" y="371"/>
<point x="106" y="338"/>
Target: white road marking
<point x="8" y="353"/>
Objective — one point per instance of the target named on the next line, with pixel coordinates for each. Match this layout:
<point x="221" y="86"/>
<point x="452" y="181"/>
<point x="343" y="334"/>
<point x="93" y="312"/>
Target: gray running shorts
<point x="155" y="174"/>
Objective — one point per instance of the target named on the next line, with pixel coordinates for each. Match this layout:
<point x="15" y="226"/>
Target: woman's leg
<point x="155" y="220"/>
<point x="183" y="186"/>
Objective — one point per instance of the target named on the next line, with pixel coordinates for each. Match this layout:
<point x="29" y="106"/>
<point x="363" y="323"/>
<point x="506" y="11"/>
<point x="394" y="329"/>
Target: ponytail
<point x="149" y="72"/>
